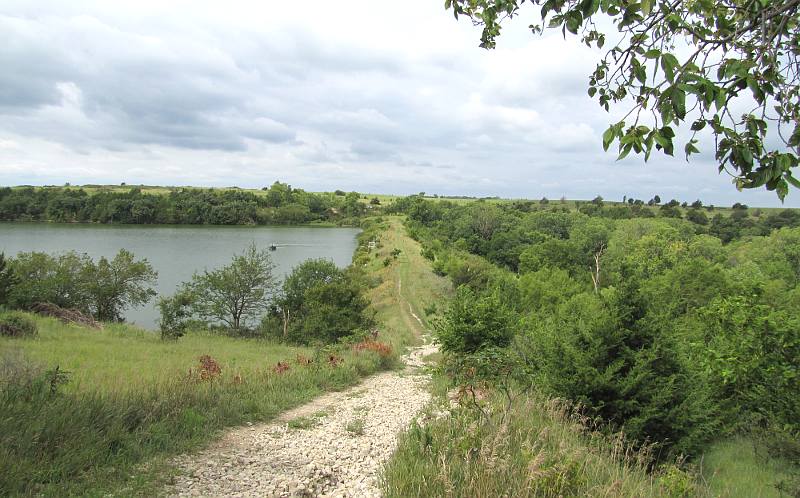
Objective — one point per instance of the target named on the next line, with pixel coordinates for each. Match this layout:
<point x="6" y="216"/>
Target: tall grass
<point x="136" y="402"/>
<point x="741" y="467"/>
<point x="538" y="449"/>
<point x="123" y="357"/>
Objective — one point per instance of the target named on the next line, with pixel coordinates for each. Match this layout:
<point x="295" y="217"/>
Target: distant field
<point x="153" y="189"/>
<point x="388" y="199"/>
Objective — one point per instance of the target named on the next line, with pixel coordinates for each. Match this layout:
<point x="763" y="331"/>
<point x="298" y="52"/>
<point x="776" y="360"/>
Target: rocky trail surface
<point x="333" y="446"/>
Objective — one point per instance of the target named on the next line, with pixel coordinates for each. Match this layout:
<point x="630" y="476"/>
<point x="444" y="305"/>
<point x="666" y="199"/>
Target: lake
<point x="176" y="252"/>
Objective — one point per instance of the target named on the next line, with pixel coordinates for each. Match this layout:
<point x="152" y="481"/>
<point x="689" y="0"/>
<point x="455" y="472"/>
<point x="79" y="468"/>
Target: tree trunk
<point x="285" y="314"/>
<point x="596" y="269"/>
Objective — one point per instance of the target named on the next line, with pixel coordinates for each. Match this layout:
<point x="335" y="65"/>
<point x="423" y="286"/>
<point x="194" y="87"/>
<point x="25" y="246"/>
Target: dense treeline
<point x="279" y="204"/>
<point x="658" y="326"/>
<point x="500" y="232"/>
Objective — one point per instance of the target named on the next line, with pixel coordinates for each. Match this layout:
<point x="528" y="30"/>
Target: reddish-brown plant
<point x="281" y="367"/>
<point x="209" y="368"/>
<point x="334" y="360"/>
<point x="304" y="360"/>
<point x="384" y="350"/>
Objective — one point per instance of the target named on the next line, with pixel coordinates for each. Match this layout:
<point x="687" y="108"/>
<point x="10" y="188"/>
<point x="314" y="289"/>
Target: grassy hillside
<point x="539" y="448"/>
<point x="536" y="449"/>
<point x="130" y="401"/>
<point x="97" y="412"/>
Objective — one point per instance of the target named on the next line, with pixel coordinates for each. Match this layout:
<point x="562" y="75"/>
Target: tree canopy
<point x="725" y="69"/>
<point x="104" y="289"/>
<point x="238" y="292"/>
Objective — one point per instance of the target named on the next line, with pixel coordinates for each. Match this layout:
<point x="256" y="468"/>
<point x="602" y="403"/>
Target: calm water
<point x="176" y="252"/>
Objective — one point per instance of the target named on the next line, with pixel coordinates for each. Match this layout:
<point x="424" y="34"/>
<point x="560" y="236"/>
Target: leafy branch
<point x="729" y="67"/>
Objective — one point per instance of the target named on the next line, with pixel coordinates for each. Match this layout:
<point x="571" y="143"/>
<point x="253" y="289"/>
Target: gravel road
<point x="333" y="446"/>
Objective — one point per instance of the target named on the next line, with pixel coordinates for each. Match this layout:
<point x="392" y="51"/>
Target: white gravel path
<point x="352" y="434"/>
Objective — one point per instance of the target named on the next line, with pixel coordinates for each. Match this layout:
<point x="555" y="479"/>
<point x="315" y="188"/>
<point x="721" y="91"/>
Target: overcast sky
<point x="359" y="95"/>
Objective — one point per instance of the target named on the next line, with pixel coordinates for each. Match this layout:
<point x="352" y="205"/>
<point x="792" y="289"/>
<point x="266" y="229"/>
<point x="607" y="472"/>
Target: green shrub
<point x="320" y="304"/>
<point x="176" y="315"/>
<point x="104" y="288"/>
<point x="749" y="353"/>
<point x="473" y="322"/>
<point x="17" y="324"/>
<point x="633" y="378"/>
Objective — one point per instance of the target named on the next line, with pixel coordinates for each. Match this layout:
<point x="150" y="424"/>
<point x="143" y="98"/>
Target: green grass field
<point x="123" y="358"/>
<point x="735" y="468"/>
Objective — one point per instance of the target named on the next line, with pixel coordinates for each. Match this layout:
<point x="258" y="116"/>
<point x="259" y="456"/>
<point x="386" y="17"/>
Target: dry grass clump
<point x="17" y="324"/>
<point x="69" y="316"/>
<point x="384" y="350"/>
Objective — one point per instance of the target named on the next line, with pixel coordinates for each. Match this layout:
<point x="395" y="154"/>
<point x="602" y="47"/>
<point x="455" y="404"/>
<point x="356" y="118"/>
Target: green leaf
<point x="791" y="179"/>
<point x="665" y="108"/>
<point x="653" y="53"/>
<point x="794" y="140"/>
<point x="668" y="65"/>
<point x="698" y="125"/>
<point x="782" y="188"/>
<point x="624" y="152"/>
<point x="758" y="93"/>
<point x="592" y="91"/>
<point x="678" y="102"/>
<point x="608" y="137"/>
<point x="589" y="7"/>
<point x="721" y="98"/>
<point x="690" y="149"/>
<point x="574" y="20"/>
<point x="640" y="73"/>
<point x="661" y="140"/>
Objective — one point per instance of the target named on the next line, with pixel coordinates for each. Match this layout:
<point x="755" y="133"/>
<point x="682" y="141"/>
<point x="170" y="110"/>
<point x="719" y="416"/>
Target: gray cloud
<point x="349" y="95"/>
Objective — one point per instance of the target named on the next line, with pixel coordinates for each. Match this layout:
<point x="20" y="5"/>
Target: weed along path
<point x="335" y="445"/>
